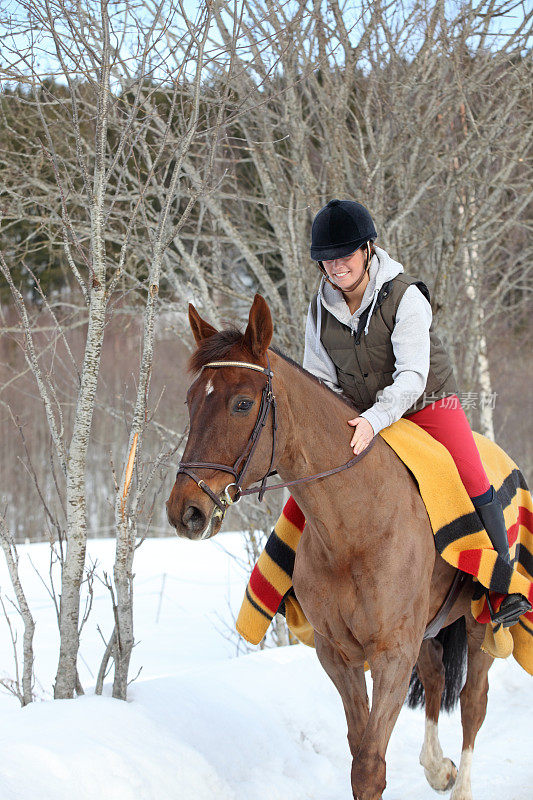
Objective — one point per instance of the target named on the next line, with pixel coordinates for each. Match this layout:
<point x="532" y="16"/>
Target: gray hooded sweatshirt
<point x="410" y="341"/>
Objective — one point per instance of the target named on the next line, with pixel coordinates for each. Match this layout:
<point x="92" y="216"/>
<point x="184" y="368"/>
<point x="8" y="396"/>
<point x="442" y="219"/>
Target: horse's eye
<point x="243" y="405"/>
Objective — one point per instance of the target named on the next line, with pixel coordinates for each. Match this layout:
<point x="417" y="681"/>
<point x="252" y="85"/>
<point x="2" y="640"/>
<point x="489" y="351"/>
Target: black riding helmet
<point x="339" y="229"/>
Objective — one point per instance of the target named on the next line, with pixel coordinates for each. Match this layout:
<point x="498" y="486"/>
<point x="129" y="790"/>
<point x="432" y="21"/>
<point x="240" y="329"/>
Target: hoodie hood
<point x="382" y="269"/>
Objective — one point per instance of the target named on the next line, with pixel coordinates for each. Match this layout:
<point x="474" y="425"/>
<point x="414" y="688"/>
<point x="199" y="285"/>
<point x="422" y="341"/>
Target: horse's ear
<point x="258" y="333"/>
<point x="200" y="328"/>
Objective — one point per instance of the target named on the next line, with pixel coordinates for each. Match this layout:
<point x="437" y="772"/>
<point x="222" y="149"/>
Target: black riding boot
<point x="514" y="605"/>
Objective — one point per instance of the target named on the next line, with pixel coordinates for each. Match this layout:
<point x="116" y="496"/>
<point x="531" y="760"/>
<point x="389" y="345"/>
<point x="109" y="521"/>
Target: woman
<point x="369" y="334"/>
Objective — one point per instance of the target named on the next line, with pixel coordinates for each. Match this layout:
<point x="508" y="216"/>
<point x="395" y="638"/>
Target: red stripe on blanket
<point x="525" y="518"/>
<point x="264" y="590"/>
<point x="469" y="561"/>
<point x="496" y="600"/>
<point x="293" y="513"/>
<point x="484" y="616"/>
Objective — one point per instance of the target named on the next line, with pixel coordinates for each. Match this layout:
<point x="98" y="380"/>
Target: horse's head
<point x="224" y="404"/>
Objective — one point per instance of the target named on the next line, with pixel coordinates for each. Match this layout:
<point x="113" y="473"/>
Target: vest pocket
<point x="364" y="391"/>
<point x="351" y="388"/>
<point x="381" y="357"/>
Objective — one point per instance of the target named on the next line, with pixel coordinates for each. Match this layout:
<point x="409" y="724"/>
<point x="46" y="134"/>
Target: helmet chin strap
<point x="358" y="281"/>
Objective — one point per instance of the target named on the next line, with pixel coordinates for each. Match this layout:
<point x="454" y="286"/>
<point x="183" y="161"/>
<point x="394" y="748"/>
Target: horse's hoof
<point x="444" y="778"/>
<point x="453" y="776"/>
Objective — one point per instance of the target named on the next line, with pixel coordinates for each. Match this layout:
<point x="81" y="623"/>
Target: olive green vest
<point x="365" y="363"/>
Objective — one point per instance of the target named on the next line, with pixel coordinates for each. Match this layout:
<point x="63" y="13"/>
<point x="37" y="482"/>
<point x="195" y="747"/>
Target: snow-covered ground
<point x="202" y="723"/>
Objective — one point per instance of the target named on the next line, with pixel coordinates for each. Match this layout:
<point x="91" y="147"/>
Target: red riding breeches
<point x="446" y="421"/>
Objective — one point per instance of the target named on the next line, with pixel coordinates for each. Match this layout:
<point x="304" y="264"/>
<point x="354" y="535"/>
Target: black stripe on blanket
<point x="524" y="557"/>
<point x="501" y="576"/>
<point x="280" y="553"/>
<point x="256" y="606"/>
<point x="459" y="527"/>
<point x="470" y="523"/>
<point x="515" y="480"/>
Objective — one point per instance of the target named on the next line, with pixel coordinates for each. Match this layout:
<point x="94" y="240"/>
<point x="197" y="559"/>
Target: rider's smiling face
<point x="346" y="270"/>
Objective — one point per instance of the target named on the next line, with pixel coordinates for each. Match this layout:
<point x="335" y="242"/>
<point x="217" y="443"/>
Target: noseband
<point x="240" y="467"/>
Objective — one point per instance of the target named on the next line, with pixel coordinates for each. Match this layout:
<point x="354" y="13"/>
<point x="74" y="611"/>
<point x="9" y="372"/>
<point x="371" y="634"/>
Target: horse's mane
<point x="217" y="346"/>
<point x="220" y="345"/>
<point x="310" y="375"/>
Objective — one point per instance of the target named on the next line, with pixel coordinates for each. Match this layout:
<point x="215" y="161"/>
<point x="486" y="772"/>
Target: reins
<point x="268" y="402"/>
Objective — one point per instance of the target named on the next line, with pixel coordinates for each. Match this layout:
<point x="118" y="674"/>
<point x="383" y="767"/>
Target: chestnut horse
<point x="367" y="574"/>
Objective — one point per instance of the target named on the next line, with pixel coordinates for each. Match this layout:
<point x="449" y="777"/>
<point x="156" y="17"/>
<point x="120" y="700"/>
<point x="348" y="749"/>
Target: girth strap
<point x="439" y="619"/>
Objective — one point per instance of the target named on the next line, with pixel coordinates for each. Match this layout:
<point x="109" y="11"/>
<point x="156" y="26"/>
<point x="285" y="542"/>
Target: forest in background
<point x="511" y="353"/>
<point x="433" y="139"/>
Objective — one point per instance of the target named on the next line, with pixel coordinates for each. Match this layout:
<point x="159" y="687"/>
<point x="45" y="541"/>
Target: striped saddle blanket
<point x="459" y="538"/>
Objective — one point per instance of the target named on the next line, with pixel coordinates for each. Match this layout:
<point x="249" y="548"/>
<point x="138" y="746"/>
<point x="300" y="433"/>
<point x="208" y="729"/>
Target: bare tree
<point x="98" y="50"/>
<point x="22" y="686"/>
<point x="420" y="112"/>
<point x="123" y="106"/>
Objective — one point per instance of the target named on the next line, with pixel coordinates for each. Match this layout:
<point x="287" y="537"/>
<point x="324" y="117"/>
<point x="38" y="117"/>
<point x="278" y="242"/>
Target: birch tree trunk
<point x="74" y="563"/>
<point x="477" y="362"/>
<point x="476" y="343"/>
<point x="127" y="502"/>
<point x="10" y="551"/>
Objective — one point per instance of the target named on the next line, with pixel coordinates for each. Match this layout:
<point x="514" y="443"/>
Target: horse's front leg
<point x="349" y="679"/>
<point x="391" y="670"/>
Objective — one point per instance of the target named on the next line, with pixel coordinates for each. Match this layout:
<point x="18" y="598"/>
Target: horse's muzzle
<point x="191" y="521"/>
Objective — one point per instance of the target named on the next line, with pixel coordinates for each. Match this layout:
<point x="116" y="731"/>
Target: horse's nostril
<point x="193" y="519"/>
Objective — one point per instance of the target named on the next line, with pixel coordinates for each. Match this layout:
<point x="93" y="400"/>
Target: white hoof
<point x="440" y="772"/>
<point x="442" y="778"/>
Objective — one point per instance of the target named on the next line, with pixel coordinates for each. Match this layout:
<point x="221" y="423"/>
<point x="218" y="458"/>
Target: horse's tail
<point x="454" y="652"/>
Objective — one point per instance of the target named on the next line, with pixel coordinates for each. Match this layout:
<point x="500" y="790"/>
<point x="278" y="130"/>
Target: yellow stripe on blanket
<point x="459" y="538"/>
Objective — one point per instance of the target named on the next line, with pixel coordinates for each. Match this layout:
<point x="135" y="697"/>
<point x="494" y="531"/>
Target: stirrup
<point x="511" y="609"/>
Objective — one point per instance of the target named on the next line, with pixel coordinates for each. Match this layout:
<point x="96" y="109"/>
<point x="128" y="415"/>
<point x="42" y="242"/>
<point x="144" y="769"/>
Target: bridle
<point x="240" y="467"/>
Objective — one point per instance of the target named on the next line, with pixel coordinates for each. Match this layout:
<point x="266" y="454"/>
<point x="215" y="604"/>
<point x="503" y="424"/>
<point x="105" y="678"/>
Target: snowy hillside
<point x="203" y="724"/>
